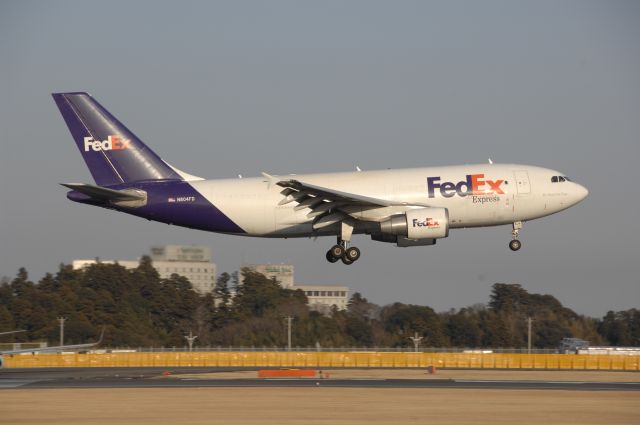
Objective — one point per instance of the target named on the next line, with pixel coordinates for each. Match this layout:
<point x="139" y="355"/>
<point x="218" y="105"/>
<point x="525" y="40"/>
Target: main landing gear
<point x="342" y="250"/>
<point x="515" y="244"/>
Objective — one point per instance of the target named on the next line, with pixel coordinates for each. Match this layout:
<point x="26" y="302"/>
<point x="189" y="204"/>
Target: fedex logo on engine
<point x="113" y="143"/>
<point x="428" y="222"/>
<point x="474" y="184"/>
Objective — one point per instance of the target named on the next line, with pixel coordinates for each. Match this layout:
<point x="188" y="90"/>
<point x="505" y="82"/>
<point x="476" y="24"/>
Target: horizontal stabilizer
<point x="104" y="194"/>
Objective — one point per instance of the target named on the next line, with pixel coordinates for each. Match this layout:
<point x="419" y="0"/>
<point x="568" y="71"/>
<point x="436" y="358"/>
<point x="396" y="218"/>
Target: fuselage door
<point x="522" y="182"/>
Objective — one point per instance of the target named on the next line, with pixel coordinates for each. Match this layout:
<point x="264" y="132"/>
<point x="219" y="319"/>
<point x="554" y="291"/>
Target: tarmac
<point x="344" y="396"/>
<point x="334" y="378"/>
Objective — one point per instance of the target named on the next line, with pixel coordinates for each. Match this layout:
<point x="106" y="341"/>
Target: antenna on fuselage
<point x="358" y="169"/>
<point x="490" y="161"/>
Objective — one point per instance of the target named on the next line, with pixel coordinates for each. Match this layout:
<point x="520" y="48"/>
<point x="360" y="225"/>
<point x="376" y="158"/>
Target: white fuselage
<point x="501" y="194"/>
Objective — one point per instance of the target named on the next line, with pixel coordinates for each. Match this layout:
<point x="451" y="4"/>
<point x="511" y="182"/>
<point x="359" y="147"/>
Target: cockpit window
<point x="567" y="178"/>
<point x="560" y="179"/>
<point x="554" y="179"/>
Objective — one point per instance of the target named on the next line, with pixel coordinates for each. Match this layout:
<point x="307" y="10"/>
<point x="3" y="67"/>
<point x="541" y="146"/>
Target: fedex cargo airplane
<point x="409" y="207"/>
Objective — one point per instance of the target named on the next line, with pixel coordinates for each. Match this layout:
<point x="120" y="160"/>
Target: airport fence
<point x="340" y="349"/>
<point x="326" y="359"/>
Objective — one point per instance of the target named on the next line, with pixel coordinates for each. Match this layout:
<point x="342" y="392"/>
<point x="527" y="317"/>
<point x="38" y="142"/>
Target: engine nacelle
<point x="423" y="223"/>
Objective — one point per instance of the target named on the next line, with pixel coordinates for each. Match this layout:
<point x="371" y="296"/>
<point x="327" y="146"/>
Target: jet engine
<point x="422" y="223"/>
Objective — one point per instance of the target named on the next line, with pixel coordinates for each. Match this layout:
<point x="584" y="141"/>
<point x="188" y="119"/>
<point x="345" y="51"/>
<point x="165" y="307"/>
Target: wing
<point x="328" y="206"/>
<point x="11" y="332"/>
<point x="56" y="348"/>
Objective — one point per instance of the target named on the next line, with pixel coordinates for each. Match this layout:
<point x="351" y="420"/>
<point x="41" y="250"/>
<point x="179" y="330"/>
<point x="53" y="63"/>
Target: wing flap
<point x="334" y="195"/>
<point x="328" y="206"/>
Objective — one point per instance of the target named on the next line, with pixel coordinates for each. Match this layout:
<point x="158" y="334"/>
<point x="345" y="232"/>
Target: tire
<point x="330" y="257"/>
<point x="515" y="245"/>
<point x="346" y="261"/>
<point x="337" y="251"/>
<point x="352" y="254"/>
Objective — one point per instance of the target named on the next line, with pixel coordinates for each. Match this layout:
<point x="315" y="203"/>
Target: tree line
<point x="247" y="309"/>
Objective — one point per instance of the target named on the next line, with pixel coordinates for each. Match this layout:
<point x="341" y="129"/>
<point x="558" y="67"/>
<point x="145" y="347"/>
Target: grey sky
<point x="291" y="87"/>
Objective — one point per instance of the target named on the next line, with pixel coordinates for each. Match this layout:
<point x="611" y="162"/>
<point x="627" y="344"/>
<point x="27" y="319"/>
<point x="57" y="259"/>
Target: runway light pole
<point x="416" y="341"/>
<point x="190" y="339"/>
<point x="289" y="319"/>
<point x="62" y="320"/>
<point x="529" y="320"/>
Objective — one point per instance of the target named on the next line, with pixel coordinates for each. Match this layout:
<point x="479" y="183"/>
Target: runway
<point x="357" y="396"/>
<point x="86" y="378"/>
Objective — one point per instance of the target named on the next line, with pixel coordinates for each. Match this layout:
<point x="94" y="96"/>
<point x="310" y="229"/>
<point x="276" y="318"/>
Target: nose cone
<point x="580" y="192"/>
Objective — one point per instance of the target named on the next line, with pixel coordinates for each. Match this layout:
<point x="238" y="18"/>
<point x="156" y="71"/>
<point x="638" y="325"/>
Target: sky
<point x="240" y="87"/>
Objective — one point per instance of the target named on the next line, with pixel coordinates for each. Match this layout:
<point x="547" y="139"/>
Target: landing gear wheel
<point x="337" y="251"/>
<point x="515" y="245"/>
<point x="346" y="260"/>
<point x="352" y="254"/>
<point x="331" y="258"/>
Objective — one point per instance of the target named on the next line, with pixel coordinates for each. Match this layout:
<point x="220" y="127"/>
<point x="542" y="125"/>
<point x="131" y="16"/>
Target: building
<point x="283" y="273"/>
<point x="321" y="297"/>
<point x="186" y="253"/>
<point x="191" y="261"/>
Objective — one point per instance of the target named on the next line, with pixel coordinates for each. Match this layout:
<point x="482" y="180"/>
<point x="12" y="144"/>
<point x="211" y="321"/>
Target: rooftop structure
<point x="321" y="297"/>
<point x="193" y="262"/>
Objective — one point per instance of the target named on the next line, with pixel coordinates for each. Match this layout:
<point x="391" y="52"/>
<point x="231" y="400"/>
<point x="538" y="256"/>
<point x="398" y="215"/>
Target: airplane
<point x="58" y="348"/>
<point x="11" y="332"/>
<point x="407" y="207"/>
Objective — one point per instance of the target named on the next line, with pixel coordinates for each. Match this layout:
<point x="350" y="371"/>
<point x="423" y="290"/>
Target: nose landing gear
<point x="515" y="244"/>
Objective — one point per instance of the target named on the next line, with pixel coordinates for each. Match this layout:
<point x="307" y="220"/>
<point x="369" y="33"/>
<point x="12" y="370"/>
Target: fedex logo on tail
<point x="474" y="184"/>
<point x="113" y="143"/>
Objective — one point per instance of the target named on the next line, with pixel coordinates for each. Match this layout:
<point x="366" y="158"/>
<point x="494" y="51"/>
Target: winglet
<point x="101" y="336"/>
<point x="269" y="179"/>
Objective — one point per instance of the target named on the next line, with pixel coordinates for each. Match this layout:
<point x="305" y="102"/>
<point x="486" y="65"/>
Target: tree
<point x="404" y="320"/>
<point x="621" y="328"/>
<point x="463" y="329"/>
<point x="139" y="308"/>
<point x="221" y="291"/>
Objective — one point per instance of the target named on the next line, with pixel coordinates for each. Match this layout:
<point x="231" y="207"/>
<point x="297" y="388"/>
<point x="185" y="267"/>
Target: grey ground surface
<point x="361" y="378"/>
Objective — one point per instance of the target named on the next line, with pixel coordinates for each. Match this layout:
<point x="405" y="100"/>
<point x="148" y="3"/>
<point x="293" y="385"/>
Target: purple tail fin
<point x="113" y="154"/>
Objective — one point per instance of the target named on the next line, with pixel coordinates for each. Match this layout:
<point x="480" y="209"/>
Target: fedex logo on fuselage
<point x="113" y="143"/>
<point x="474" y="184"/>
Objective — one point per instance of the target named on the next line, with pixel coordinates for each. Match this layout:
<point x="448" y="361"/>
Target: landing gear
<point x="341" y="251"/>
<point x="331" y="258"/>
<point x="352" y="254"/>
<point x="337" y="251"/>
<point x="515" y="244"/>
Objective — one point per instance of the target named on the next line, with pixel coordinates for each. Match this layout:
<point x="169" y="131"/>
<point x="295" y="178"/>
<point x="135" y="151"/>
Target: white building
<point x="192" y="262"/>
<point x="321" y="297"/>
<point x="283" y="273"/>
